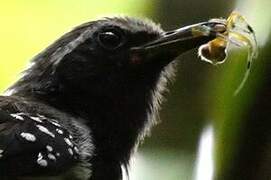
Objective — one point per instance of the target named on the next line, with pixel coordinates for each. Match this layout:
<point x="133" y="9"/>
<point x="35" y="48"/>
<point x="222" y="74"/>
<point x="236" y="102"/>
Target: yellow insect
<point x="235" y="30"/>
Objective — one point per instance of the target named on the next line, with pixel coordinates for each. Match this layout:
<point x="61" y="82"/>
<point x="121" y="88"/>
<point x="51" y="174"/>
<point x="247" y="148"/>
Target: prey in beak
<point x="173" y="43"/>
<point x="213" y="39"/>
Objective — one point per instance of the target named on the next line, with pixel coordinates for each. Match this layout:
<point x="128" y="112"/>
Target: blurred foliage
<point x="27" y="27"/>
<point x="239" y="123"/>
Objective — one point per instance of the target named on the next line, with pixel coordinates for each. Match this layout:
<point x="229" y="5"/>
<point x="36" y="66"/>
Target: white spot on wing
<point x="28" y="136"/>
<point x="55" y="123"/>
<point x="49" y="148"/>
<point x="42" y="117"/>
<point x="76" y="149"/>
<point x="42" y="162"/>
<point x="59" y="131"/>
<point x="52" y="157"/>
<point x="17" y="116"/>
<point x="70" y="151"/>
<point x="45" y="130"/>
<point x="1" y="153"/>
<point x="36" y="119"/>
<point x="40" y="156"/>
<point x="68" y="142"/>
<point x="70" y="136"/>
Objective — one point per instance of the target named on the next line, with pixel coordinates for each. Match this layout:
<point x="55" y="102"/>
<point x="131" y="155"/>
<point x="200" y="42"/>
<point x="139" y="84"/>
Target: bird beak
<point x="173" y="43"/>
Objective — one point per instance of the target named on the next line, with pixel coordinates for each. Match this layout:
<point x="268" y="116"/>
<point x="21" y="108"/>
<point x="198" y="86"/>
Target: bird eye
<point x="110" y="40"/>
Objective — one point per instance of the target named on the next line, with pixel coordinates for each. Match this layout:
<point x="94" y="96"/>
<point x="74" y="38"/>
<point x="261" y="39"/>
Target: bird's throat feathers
<point x="119" y="120"/>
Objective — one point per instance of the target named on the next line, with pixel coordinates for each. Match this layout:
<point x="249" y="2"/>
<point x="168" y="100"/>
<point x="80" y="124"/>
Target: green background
<point x="201" y="94"/>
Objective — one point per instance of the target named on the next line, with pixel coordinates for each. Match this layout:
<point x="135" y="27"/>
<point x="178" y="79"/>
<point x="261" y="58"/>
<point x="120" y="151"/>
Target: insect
<point x="235" y="30"/>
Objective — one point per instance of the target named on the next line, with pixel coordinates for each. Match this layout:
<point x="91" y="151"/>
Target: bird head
<point x="108" y="57"/>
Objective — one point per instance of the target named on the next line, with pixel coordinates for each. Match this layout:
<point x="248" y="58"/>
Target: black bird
<point x="81" y="109"/>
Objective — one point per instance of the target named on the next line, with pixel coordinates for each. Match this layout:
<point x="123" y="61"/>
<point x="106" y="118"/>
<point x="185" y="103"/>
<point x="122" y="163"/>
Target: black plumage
<point x="102" y="83"/>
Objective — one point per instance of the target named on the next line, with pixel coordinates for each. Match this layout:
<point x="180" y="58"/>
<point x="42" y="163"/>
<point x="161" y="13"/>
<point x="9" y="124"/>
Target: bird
<point x="86" y="101"/>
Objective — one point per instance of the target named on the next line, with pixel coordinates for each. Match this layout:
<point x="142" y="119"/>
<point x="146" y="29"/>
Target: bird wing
<point x="34" y="144"/>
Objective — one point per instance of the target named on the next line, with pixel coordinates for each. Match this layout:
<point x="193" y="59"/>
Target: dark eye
<point x="110" y="39"/>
